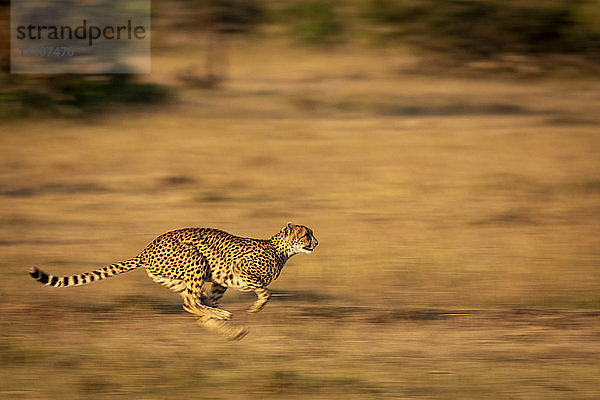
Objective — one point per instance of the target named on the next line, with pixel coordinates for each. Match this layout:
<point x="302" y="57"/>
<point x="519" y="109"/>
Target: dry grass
<point x="458" y="222"/>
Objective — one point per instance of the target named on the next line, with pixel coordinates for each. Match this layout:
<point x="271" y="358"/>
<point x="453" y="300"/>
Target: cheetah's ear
<point x="288" y="228"/>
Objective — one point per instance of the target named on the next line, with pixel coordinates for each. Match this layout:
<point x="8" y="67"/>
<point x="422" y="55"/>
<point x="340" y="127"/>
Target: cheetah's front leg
<point x="263" y="297"/>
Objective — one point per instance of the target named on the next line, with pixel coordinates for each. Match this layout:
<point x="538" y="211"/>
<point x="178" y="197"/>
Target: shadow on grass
<point x="456" y="109"/>
<point x="511" y="217"/>
<point x="300" y="296"/>
<point x="379" y="315"/>
<point x="52" y="188"/>
<point x="440" y="106"/>
<point x="544" y="317"/>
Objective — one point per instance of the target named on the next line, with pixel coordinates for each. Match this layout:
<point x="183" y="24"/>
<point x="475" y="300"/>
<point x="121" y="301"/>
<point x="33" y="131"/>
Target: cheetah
<point x="187" y="260"/>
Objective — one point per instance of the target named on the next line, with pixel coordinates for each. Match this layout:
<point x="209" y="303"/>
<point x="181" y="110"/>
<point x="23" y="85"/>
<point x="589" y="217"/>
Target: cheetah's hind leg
<point x="223" y="328"/>
<point x="193" y="300"/>
<point x="192" y="303"/>
<point x="204" y="307"/>
<point x="201" y="310"/>
<point x="211" y="318"/>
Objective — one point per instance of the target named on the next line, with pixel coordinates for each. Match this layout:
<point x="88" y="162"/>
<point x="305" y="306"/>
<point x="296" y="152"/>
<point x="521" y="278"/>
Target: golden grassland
<point x="458" y="221"/>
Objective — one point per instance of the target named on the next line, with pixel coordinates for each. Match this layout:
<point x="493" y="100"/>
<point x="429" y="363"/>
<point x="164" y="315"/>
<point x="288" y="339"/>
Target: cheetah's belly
<point x="176" y="285"/>
<point x="230" y="279"/>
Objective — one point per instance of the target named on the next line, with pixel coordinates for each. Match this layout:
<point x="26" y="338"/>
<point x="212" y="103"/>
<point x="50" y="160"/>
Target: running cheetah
<point x="185" y="260"/>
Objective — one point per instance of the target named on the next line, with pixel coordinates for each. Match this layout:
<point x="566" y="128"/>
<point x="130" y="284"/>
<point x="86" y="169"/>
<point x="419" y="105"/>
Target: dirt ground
<point x="458" y="221"/>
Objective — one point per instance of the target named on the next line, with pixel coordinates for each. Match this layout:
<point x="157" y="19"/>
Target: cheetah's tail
<point x="81" y="279"/>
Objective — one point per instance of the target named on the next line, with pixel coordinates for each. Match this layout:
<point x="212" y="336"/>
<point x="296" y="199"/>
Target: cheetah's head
<point x="297" y="239"/>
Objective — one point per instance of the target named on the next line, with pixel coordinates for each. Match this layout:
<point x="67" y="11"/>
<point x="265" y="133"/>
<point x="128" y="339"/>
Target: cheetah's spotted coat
<point x="185" y="260"/>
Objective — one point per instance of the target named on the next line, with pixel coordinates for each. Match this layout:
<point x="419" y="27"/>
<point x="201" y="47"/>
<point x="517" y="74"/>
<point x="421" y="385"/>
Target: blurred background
<point x="445" y="153"/>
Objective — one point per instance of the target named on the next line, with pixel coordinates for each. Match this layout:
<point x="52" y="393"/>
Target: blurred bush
<point x="217" y="20"/>
<point x="65" y="94"/>
<point x="75" y="95"/>
<point x="455" y="29"/>
<point x="476" y="28"/>
<point x="314" y="22"/>
<point x="122" y="88"/>
<point x="226" y="16"/>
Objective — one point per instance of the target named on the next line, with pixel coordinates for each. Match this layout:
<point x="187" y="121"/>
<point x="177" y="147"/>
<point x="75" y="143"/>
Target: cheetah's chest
<point x="242" y="270"/>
